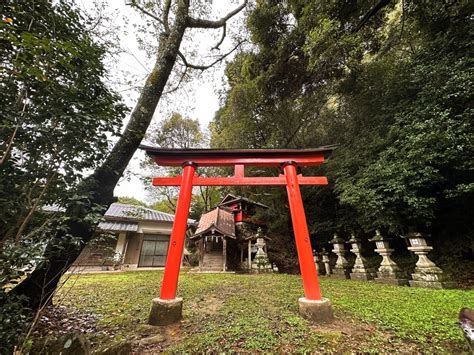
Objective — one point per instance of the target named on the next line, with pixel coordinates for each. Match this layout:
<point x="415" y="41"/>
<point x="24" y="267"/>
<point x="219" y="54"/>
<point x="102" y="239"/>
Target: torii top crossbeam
<point x="231" y="157"/>
<point x="287" y="159"/>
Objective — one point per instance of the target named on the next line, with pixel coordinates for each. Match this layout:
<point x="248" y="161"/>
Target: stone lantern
<point x="426" y="273"/>
<point x="360" y="271"/>
<point x="342" y="268"/>
<point x="316" y="261"/>
<point x="325" y="259"/>
<point x="388" y="272"/>
<point x="260" y="262"/>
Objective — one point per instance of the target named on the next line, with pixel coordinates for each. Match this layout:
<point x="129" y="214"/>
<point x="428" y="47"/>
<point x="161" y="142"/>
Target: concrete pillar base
<point x="316" y="311"/>
<point x="165" y="312"/>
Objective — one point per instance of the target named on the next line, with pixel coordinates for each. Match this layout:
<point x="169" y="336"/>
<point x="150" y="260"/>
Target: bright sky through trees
<point x="197" y="99"/>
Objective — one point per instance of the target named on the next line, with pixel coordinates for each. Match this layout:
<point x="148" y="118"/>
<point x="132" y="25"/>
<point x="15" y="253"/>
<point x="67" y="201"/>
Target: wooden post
<point x="178" y="234"/>
<point x="250" y="254"/>
<point x="224" y="253"/>
<point x="201" y="243"/>
<point x="300" y="228"/>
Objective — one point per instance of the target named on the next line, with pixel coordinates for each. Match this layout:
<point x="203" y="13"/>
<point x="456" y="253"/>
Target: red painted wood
<point x="303" y="242"/>
<point x="246" y="216"/>
<point x="239" y="170"/>
<point x="175" y="249"/>
<point x="266" y="161"/>
<point x="240" y="181"/>
<point x="238" y="216"/>
<point x="231" y="157"/>
<point x="238" y="159"/>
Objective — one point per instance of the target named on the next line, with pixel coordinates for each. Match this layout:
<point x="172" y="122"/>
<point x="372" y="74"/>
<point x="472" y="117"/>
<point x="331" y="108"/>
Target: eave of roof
<point x="116" y="226"/>
<point x="211" y="230"/>
<point x="240" y="198"/>
<point x="229" y="157"/>
<point x="131" y="213"/>
<point x="235" y="152"/>
<point x="217" y="220"/>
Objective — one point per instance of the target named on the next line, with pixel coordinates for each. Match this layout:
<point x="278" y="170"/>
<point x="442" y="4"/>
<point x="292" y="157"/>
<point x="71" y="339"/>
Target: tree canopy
<point x="57" y="118"/>
<point x="391" y="85"/>
<point x="57" y="112"/>
<point x="168" y="22"/>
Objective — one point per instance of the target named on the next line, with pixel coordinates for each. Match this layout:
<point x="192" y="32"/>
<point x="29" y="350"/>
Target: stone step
<point x="212" y="264"/>
<point x="212" y="268"/>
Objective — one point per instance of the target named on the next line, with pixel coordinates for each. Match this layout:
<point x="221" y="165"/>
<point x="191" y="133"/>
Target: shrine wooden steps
<point x="212" y="261"/>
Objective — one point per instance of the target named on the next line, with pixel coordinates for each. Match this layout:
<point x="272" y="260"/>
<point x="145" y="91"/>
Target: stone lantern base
<point x="397" y="278"/>
<point x="394" y="281"/>
<point x="341" y="273"/>
<point x="432" y="277"/>
<point x="362" y="275"/>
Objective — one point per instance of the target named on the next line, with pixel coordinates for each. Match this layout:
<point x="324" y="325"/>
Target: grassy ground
<point x="225" y="312"/>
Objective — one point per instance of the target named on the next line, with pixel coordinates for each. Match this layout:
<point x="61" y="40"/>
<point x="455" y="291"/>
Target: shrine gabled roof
<point x="217" y="221"/>
<point x="228" y="157"/>
<point x="229" y="199"/>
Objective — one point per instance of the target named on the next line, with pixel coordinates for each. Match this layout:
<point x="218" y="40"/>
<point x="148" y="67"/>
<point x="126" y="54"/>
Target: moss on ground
<point x="224" y="312"/>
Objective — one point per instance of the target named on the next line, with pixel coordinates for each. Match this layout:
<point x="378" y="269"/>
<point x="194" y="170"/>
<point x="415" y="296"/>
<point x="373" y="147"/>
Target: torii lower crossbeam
<point x="167" y="308"/>
<point x="240" y="181"/>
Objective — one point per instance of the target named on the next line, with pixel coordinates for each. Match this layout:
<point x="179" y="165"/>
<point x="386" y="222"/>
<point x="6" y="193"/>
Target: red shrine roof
<point x="229" y="157"/>
<point x="217" y="221"/>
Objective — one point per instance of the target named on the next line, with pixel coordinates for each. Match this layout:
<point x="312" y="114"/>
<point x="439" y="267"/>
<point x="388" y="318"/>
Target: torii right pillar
<point x="313" y="306"/>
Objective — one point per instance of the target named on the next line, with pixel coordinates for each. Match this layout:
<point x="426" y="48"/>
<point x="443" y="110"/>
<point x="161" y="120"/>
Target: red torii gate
<point x="167" y="309"/>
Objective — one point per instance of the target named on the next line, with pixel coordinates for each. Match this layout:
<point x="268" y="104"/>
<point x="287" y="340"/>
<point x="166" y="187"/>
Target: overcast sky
<point x="198" y="99"/>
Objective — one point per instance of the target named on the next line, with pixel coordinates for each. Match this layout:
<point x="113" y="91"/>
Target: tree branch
<point x="34" y="207"/>
<point x="224" y="30"/>
<point x="166" y="13"/>
<point x="148" y="13"/>
<point x="181" y="79"/>
<point x="207" y="66"/>
<point x="22" y="96"/>
<point x="371" y="13"/>
<point x="202" y="23"/>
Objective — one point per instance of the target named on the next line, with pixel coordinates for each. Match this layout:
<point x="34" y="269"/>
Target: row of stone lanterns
<point x="426" y="273"/>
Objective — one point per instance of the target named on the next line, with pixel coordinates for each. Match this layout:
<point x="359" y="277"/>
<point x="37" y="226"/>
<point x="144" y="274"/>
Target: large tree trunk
<point x="66" y="246"/>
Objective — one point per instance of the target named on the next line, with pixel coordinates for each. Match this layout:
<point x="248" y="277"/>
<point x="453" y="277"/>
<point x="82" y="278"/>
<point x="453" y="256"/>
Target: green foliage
<point x="57" y="117"/>
<point x="57" y="112"/>
<point x="16" y="261"/>
<point x="396" y="96"/>
<point x="182" y="133"/>
<point x="177" y="132"/>
<point x="237" y="313"/>
<point x="13" y="320"/>
<point x="131" y="201"/>
<point x="423" y="138"/>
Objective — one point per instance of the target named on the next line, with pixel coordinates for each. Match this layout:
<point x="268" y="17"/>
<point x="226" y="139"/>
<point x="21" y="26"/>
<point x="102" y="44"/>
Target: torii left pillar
<point x="168" y="308"/>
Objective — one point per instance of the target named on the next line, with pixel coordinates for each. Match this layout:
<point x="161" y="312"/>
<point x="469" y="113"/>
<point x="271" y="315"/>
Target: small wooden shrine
<point x="230" y="225"/>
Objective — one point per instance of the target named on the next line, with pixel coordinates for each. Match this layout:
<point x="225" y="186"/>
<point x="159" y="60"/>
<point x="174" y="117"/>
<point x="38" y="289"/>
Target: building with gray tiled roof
<point x="129" y="237"/>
